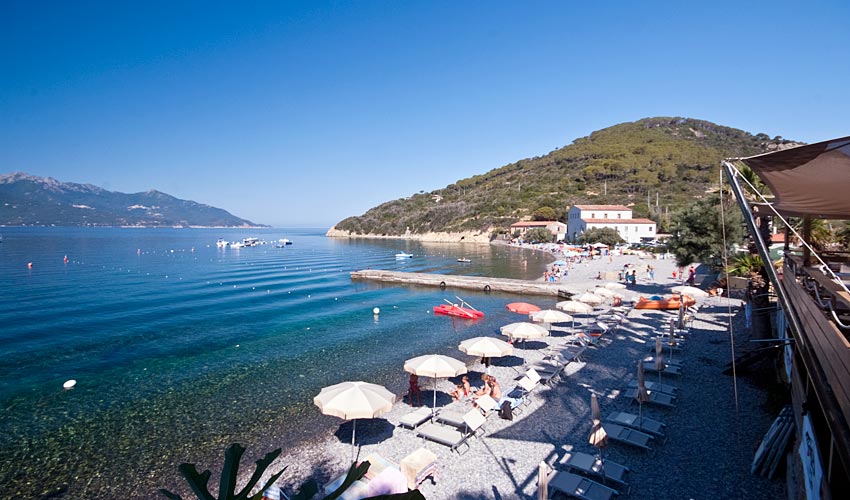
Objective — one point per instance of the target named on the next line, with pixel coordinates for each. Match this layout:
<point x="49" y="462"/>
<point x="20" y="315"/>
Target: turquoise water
<point x="180" y="348"/>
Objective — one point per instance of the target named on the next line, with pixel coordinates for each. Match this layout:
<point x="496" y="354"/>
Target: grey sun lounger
<point x="655" y="398"/>
<point x="628" y="436"/>
<point x="451" y="436"/>
<point x="576" y="486"/>
<point x="416" y="417"/>
<point x="640" y="423"/>
<point x="655" y="386"/>
<point x="604" y="470"/>
<point x="668" y="368"/>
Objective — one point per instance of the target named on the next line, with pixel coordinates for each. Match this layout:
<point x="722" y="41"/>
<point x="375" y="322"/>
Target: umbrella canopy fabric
<point x="690" y="290"/>
<point x="487" y="347"/>
<point x="614" y="286"/>
<point x="349" y="400"/>
<point x="572" y="306"/>
<point x="605" y="292"/>
<point x="589" y="298"/>
<point x="522" y="307"/>
<point x="642" y="394"/>
<point x="559" y="263"/>
<point x="550" y="316"/>
<point x="523" y="330"/>
<point x="435" y="366"/>
<point x="598" y="437"/>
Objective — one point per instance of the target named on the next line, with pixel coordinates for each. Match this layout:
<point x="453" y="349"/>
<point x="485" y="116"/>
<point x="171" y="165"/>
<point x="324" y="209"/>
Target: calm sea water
<point x="180" y="348"/>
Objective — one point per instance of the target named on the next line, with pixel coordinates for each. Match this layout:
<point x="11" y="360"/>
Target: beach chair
<point x="640" y="423"/>
<point x="568" y="352"/>
<point x="669" y="369"/>
<point x="548" y="371"/>
<point x="450" y="436"/>
<point x="605" y="470"/>
<point x="519" y="394"/>
<point x="416" y="417"/>
<point x="655" y="386"/>
<point x="628" y="436"/>
<point x="576" y="486"/>
<point x="655" y="398"/>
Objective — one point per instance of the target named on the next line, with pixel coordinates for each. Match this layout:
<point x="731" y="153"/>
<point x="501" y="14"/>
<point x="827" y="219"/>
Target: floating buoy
<point x="65" y="260"/>
<point x="376" y="311"/>
<point x="29" y="265"/>
<point x="69" y="384"/>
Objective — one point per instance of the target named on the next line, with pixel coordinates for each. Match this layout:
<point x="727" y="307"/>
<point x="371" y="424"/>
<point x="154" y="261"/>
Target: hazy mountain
<point x="654" y="165"/>
<point x="28" y="200"/>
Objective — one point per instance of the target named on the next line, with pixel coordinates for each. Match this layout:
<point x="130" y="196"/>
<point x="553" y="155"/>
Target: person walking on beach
<point x="692" y="274"/>
<point x="414" y="389"/>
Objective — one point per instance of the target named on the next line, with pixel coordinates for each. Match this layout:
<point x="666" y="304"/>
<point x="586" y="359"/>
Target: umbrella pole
<point x="353" y="432"/>
<point x="434" y="406"/>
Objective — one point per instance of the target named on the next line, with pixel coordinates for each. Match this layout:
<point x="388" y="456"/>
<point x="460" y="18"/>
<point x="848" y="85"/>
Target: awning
<point x="808" y="180"/>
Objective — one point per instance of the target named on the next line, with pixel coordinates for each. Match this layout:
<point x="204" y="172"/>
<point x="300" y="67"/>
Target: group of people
<point x="555" y="275"/>
<point x="463" y="391"/>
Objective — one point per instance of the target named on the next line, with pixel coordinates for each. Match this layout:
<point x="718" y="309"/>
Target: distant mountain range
<point x="655" y="166"/>
<point x="28" y="200"/>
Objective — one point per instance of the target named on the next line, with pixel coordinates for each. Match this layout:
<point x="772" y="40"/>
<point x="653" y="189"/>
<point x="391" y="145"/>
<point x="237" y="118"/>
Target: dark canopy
<point x="808" y="180"/>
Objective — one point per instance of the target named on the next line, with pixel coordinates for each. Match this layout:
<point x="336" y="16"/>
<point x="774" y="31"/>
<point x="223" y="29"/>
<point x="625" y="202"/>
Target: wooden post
<point x="807" y="235"/>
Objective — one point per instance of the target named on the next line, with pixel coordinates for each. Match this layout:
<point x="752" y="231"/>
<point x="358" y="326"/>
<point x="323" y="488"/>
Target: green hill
<point x="671" y="160"/>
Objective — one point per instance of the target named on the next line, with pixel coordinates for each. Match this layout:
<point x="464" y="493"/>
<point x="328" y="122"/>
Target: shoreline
<point x="434" y="237"/>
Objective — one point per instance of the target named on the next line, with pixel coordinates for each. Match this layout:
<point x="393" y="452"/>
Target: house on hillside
<point x="558" y="229"/>
<point x="583" y="217"/>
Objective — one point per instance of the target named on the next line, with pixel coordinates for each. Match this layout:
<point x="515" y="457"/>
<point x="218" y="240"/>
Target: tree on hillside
<point x="698" y="231"/>
<point x="606" y="235"/>
<point x="544" y="213"/>
<point x="538" y="235"/>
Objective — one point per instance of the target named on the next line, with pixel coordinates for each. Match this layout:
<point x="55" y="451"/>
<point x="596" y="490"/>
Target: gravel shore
<point x="710" y="442"/>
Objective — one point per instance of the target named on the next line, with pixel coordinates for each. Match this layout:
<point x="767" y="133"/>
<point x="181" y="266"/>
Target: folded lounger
<point x="640" y="423"/>
<point x="605" y="470"/>
<point x="452" y="436"/>
<point x="416" y="417"/>
<point x="655" y="386"/>
<point x="655" y="398"/>
<point x="628" y="436"/>
<point x="576" y="486"/>
<point x="668" y="368"/>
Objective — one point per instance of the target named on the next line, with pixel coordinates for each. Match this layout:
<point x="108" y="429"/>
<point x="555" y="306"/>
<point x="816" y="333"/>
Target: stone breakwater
<point x="461" y="237"/>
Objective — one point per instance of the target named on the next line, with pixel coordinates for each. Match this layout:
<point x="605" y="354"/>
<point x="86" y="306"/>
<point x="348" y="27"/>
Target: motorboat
<point x="284" y="241"/>
<point x="236" y="244"/>
<point x="221" y="243"/>
<point x="403" y="255"/>
<point x="669" y="303"/>
<point x="251" y="242"/>
<point x="458" y="311"/>
<point x="463" y="259"/>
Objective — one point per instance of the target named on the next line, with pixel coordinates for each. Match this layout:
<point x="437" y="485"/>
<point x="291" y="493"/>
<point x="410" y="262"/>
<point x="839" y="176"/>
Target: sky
<point x="299" y="114"/>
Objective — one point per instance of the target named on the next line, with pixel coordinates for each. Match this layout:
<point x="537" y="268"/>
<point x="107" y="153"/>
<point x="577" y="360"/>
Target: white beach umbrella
<point x="614" y="286"/>
<point x="353" y="400"/>
<point x="550" y="316"/>
<point x="486" y="347"/>
<point x="605" y="292"/>
<point x="435" y="366"/>
<point x="571" y="306"/>
<point x="690" y="290"/>
<point x="523" y="330"/>
<point x="589" y="298"/>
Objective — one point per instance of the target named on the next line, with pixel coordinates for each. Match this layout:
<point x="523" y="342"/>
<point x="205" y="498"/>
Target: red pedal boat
<point x="460" y="312"/>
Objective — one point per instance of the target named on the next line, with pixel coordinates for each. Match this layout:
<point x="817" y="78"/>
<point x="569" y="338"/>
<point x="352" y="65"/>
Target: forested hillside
<point x="654" y="165"/>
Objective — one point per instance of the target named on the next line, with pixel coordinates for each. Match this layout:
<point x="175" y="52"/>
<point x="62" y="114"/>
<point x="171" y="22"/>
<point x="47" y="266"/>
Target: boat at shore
<point x="222" y="243"/>
<point x="463" y="259"/>
<point x="403" y="255"/>
<point x="669" y="303"/>
<point x="458" y="311"/>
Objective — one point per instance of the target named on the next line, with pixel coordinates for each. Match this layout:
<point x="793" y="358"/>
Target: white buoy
<point x="69" y="384"/>
<point x="376" y="311"/>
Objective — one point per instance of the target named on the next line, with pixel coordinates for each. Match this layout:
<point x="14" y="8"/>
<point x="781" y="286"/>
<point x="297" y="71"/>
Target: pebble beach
<point x="711" y="435"/>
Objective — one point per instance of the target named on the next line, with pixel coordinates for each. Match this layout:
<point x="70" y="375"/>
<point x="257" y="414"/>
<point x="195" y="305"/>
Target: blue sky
<point x="304" y="113"/>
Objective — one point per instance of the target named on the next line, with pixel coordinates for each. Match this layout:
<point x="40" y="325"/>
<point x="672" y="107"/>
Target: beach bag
<point x="506" y="412"/>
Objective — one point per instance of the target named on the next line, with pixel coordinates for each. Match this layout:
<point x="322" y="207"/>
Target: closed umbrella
<point x="589" y="298"/>
<point x="523" y="330"/>
<point x="598" y="437"/>
<point x="435" y="366"/>
<point x="642" y="395"/>
<point x="522" y="307"/>
<point x="659" y="358"/>
<point x="550" y="316"/>
<point x="353" y="400"/>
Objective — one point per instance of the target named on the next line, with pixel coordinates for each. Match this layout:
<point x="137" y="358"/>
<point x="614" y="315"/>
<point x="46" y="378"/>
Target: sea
<point x="180" y="348"/>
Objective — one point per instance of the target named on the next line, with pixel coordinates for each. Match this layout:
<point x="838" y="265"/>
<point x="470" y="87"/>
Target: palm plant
<point x="744" y="264"/>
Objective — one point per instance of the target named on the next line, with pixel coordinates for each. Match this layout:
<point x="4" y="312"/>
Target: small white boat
<point x="251" y="242"/>
<point x="221" y="243"/>
<point x="463" y="259"/>
<point x="237" y="244"/>
<point x="402" y="255"/>
<point x="284" y="241"/>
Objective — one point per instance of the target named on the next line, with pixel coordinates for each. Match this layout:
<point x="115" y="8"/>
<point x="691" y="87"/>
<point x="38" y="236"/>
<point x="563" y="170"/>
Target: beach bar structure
<point x="813" y="304"/>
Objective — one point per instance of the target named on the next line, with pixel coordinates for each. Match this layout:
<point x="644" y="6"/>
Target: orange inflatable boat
<point x="665" y="303"/>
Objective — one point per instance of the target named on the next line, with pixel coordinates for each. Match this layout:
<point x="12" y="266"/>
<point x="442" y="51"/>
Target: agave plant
<point x="744" y="264"/>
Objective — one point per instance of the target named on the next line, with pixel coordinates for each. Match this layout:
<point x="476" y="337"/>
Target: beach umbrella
<point x="571" y="306"/>
<point x="523" y="330"/>
<point x="588" y="298"/>
<point x="598" y="437"/>
<point x="353" y="400"/>
<point x="605" y="292"/>
<point x="522" y="307"/>
<point x="642" y="396"/>
<point x="659" y="358"/>
<point x="543" y="481"/>
<point x="614" y="286"/>
<point x="550" y="316"/>
<point x="435" y="366"/>
<point x="672" y="340"/>
<point x="486" y="347"/>
<point x="694" y="292"/>
<point x="559" y="263"/>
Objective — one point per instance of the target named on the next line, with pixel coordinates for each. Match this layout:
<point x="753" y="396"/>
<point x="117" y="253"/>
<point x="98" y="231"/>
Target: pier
<point x="479" y="283"/>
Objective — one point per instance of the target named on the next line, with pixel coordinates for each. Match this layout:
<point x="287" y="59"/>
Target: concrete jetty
<point x="480" y="283"/>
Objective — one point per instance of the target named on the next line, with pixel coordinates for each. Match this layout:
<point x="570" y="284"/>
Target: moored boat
<point x="403" y="255"/>
<point x="463" y="259"/>
<point x="458" y="311"/>
<point x="673" y="302"/>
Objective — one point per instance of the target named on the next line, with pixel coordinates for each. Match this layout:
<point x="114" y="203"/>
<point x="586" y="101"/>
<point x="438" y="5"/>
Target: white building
<point x="584" y="217"/>
<point x="558" y="229"/>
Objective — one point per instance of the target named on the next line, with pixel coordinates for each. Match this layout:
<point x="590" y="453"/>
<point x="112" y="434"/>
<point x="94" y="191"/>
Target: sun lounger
<point x="655" y="386"/>
<point x="568" y="352"/>
<point x="487" y="405"/>
<point x="532" y="374"/>
<point x="416" y="417"/>
<point x="628" y="436"/>
<point x="548" y="371"/>
<point x="640" y="423"/>
<point x="655" y="397"/>
<point x="668" y="368"/>
<point x="451" y="436"/>
<point x="605" y="470"/>
<point x="576" y="486"/>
